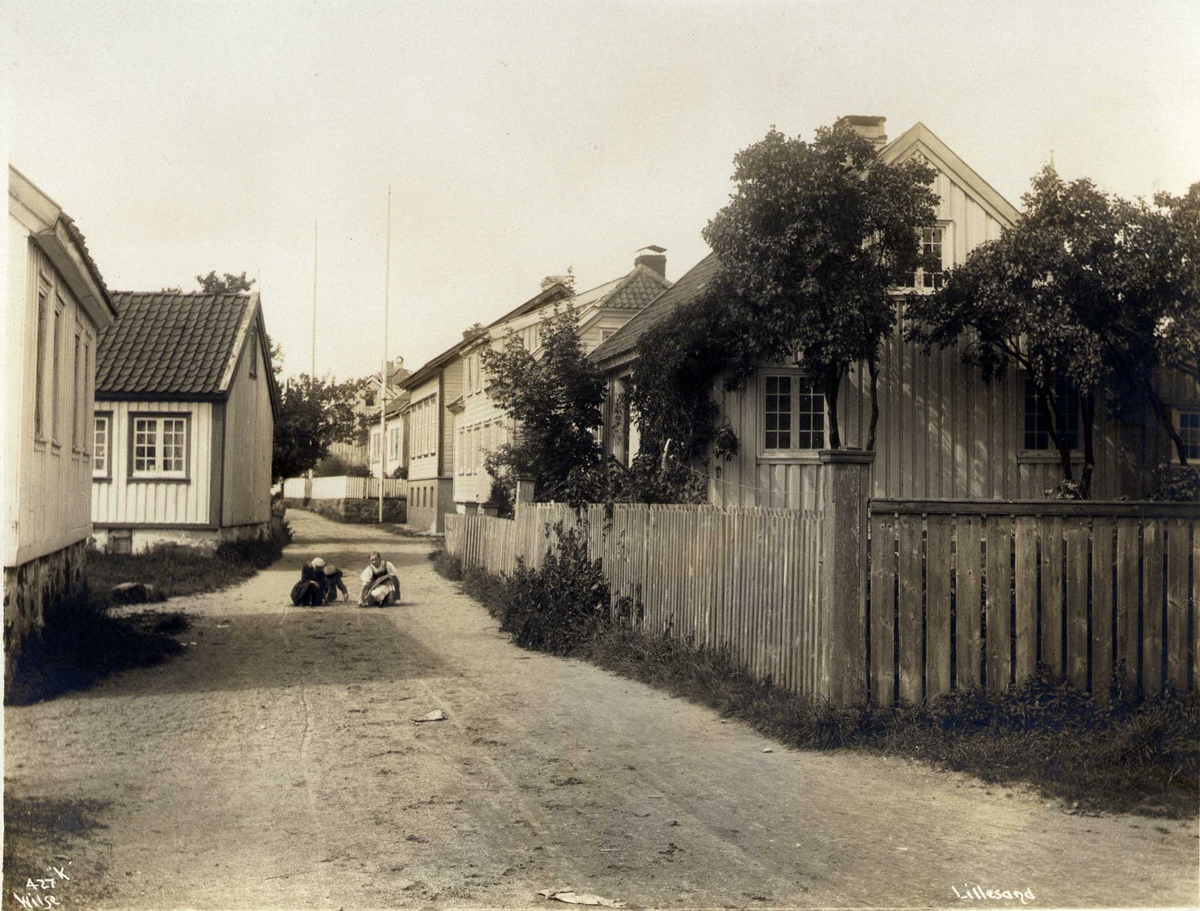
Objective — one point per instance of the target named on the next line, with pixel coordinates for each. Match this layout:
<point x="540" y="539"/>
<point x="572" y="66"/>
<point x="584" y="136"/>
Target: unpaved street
<point x="277" y="764"/>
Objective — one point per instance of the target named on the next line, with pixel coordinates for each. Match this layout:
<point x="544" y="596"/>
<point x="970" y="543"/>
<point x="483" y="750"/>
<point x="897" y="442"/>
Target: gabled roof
<point x="944" y="159"/>
<point x="166" y="344"/>
<point x="632" y="291"/>
<point x="623" y="342"/>
<point x="430" y="368"/>
<point x="622" y="345"/>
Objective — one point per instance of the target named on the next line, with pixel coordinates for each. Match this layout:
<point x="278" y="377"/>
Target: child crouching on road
<point x="381" y="583"/>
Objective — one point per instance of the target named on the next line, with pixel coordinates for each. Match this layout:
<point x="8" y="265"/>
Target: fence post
<point x="843" y="606"/>
<point x="525" y="488"/>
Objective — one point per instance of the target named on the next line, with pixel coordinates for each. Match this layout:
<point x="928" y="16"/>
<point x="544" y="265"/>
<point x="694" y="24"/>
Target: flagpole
<point x="383" y="375"/>
<point x="312" y="370"/>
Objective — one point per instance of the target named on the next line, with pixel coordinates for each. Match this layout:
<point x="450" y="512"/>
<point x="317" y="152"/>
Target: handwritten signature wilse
<point x="43" y="889"/>
<point x="975" y="893"/>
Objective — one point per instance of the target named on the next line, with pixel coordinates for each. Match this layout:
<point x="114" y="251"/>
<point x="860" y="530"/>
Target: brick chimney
<point x="870" y="128"/>
<point x="652" y="258"/>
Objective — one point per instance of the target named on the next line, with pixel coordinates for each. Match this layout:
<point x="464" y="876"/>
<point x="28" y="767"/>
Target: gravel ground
<point x="277" y="764"/>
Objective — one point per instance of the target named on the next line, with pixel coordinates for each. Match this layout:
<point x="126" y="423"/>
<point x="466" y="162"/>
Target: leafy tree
<point x="556" y="401"/>
<point x="314" y="413"/>
<point x="812" y="241"/>
<point x="1087" y="290"/>
<point x="230" y="283"/>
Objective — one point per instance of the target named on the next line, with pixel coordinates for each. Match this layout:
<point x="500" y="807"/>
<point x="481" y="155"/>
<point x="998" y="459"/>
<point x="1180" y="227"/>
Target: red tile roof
<point x="170" y="343"/>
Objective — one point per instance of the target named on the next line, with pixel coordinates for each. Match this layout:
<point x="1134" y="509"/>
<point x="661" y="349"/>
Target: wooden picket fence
<point x="940" y="595"/>
<point x="980" y="593"/>
<point x="745" y="578"/>
<point x="343" y="487"/>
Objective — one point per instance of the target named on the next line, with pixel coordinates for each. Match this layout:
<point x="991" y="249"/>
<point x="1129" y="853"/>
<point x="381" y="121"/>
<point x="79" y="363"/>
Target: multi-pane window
<point x="56" y="372"/>
<point x="39" y="385"/>
<point x="101" y="440"/>
<point x="932" y="240"/>
<point x="374" y="445"/>
<point x="159" y="447"/>
<point x="777" y="413"/>
<point x="393" y="443"/>
<point x="1038" y="420"/>
<point x="76" y="395"/>
<point x="1189" y="432"/>
<point x="793" y="413"/>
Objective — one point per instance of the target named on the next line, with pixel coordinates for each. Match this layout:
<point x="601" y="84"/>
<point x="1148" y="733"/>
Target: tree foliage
<point x="1087" y="290"/>
<point x="227" y="284"/>
<point x="814" y="237"/>
<point x="314" y="413"/>
<point x="556" y="401"/>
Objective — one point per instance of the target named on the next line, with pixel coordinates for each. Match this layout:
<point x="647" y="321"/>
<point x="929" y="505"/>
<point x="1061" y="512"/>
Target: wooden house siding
<point x="248" y="437"/>
<point x="48" y="480"/>
<point x="423" y="458"/>
<point x="451" y="388"/>
<point x="125" y="501"/>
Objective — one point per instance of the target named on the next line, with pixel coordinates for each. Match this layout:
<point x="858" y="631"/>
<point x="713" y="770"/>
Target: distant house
<point x="57" y="305"/>
<point x="480" y="425"/>
<point x="388" y="442"/>
<point x="366" y="406"/>
<point x="186" y="404"/>
<point x="943" y="432"/>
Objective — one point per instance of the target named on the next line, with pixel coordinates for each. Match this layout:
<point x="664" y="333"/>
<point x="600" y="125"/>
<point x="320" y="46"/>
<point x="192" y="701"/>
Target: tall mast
<point x="312" y="370"/>
<point x="383" y="375"/>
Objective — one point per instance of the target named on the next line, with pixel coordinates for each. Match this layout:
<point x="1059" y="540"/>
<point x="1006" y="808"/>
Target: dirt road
<point x="276" y="764"/>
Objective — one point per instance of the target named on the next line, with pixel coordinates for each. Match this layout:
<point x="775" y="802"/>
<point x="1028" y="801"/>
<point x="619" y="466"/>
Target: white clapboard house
<point x="186" y="404"/>
<point x="57" y="303"/>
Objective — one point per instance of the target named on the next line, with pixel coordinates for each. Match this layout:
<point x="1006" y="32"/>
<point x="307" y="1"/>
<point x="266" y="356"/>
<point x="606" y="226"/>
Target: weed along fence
<point x="978" y="594"/>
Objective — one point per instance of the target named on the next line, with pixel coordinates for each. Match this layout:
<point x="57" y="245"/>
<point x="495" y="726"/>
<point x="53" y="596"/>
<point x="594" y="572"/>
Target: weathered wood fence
<point x="897" y="600"/>
<point x="979" y="593"/>
<point x="743" y="577"/>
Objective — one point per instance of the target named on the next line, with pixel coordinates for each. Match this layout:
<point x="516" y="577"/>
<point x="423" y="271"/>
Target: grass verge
<point x="84" y="642"/>
<point x="1097" y="755"/>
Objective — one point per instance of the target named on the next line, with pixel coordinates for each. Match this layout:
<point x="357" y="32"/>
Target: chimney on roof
<point x="653" y="258"/>
<point x="567" y="281"/>
<point x="869" y="128"/>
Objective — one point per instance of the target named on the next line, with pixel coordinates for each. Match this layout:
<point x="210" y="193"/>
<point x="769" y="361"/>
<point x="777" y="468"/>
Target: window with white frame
<point x="56" y="372"/>
<point x="1038" y="419"/>
<point x="933" y="242"/>
<point x="159" y="446"/>
<point x="77" y="393"/>
<point x="1189" y="432"/>
<point x="375" y="445"/>
<point x="393" y="444"/>
<point x="793" y="414"/>
<point x="39" y="383"/>
<point x="102" y="446"/>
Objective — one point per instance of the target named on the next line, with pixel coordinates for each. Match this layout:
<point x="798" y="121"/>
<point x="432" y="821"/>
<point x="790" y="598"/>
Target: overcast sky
<point x="523" y="138"/>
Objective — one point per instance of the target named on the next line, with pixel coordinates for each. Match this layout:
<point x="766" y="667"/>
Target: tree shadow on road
<point x="337" y="644"/>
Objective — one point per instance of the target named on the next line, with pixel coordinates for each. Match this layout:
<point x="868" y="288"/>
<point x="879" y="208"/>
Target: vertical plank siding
<point x="1083" y="589"/>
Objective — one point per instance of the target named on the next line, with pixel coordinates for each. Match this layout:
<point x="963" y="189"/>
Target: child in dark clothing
<point x="334" y="584"/>
<point x="310" y="590"/>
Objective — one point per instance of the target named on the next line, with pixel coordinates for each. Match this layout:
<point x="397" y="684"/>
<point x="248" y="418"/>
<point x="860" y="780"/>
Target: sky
<point x="520" y="139"/>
